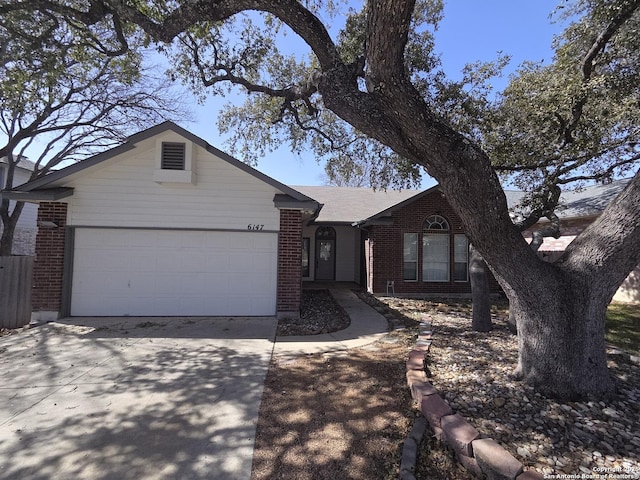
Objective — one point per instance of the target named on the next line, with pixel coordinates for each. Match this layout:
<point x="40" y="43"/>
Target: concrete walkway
<point x="147" y="398"/>
<point x="367" y="326"/>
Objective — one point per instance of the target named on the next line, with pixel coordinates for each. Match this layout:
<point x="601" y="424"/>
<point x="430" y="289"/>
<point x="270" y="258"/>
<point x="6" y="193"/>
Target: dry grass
<point x="328" y="417"/>
<point x="335" y="417"/>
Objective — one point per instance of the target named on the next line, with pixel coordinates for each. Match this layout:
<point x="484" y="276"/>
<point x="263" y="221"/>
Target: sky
<point x="471" y="30"/>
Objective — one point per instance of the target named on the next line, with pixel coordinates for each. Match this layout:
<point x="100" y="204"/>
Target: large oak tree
<point x="371" y="78"/>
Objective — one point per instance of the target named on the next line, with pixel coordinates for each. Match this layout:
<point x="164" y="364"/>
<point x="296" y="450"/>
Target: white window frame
<point x="188" y="175"/>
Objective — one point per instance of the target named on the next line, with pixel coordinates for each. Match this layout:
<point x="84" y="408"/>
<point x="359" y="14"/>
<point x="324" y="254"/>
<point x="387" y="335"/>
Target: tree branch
<point x="605" y="36"/>
<point x="589" y="62"/>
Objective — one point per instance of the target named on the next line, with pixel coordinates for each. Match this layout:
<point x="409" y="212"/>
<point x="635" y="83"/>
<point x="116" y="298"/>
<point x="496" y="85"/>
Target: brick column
<point x="49" y="262"/>
<point x="289" y="264"/>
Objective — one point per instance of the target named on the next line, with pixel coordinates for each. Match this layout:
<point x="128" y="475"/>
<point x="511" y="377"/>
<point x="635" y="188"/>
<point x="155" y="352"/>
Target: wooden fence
<point x="15" y="291"/>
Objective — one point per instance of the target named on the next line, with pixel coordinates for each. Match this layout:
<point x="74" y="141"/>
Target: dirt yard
<point x="327" y="417"/>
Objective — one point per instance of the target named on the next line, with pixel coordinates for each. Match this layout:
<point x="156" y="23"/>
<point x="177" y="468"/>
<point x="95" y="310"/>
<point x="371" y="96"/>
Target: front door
<point x="325" y="253"/>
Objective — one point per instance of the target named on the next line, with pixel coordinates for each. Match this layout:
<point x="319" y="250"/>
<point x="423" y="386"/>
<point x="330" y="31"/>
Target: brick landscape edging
<point x="481" y="456"/>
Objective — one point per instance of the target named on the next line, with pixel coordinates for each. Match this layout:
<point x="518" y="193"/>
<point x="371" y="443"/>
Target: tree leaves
<point x="576" y="119"/>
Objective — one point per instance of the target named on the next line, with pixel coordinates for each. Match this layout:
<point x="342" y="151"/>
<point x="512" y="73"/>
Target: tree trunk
<point x="6" y="241"/>
<point x="561" y="337"/>
<point x="9" y="222"/>
<point x="481" y="301"/>
<point x="560" y="308"/>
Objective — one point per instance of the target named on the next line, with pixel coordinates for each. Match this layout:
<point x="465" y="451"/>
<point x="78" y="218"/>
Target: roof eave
<point x="36" y="196"/>
<point x="370" y="222"/>
<point x="285" y="201"/>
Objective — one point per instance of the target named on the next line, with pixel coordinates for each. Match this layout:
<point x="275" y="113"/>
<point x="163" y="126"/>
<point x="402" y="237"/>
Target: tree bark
<point x="6" y="240"/>
<point x="480" y="296"/>
<point x="561" y="337"/>
<point x="9" y="222"/>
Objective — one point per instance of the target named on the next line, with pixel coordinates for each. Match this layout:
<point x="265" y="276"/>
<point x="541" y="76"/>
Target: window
<point x="460" y="258"/>
<point x="435" y="250"/>
<point x="435" y="257"/>
<point x="410" y="257"/>
<point x="436" y="222"/>
<point x="173" y="156"/>
<point x="305" y="257"/>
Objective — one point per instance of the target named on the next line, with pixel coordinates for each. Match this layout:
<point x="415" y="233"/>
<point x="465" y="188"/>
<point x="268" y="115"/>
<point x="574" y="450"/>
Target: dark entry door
<point x="325" y="253"/>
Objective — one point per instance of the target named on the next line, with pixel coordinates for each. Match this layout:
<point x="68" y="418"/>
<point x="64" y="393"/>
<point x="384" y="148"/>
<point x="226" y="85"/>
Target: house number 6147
<point x="253" y="226"/>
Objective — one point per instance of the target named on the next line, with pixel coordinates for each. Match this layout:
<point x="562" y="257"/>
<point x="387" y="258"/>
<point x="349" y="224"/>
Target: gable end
<point x="172" y="156"/>
<point x="174" y="160"/>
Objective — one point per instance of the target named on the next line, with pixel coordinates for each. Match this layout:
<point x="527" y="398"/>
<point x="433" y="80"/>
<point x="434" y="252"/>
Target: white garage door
<point x="173" y="273"/>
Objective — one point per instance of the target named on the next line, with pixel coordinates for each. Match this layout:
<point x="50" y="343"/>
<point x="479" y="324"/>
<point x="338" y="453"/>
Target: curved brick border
<point x="481" y="456"/>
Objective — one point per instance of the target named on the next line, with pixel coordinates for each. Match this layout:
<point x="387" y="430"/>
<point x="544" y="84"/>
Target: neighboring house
<point x="578" y="210"/>
<point x="167" y="225"/>
<point x="412" y="243"/>
<point x="24" y="240"/>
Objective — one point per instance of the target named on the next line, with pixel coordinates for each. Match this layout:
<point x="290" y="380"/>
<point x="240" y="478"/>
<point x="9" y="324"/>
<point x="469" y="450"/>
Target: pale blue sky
<point x="471" y="30"/>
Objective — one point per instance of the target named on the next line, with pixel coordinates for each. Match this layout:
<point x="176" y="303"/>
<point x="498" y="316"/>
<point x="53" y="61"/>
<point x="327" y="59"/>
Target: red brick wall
<point x="567" y="227"/>
<point x="49" y="260"/>
<point x="290" y="262"/>
<point x="388" y="244"/>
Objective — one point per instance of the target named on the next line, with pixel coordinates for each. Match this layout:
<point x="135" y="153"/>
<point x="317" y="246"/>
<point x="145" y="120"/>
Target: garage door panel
<point x="181" y="260"/>
<point x="173" y="273"/>
<point x="111" y="260"/>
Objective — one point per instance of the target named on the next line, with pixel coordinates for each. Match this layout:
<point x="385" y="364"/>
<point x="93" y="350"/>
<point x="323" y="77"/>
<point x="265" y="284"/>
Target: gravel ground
<point x="472" y="370"/>
<point x="319" y="313"/>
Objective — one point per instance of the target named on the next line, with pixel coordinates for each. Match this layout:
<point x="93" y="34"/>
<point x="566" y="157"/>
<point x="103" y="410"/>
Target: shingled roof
<point x="349" y="205"/>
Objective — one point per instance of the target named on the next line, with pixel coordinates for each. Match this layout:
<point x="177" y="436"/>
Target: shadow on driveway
<point x="151" y="398"/>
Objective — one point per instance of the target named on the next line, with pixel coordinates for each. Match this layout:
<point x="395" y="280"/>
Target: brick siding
<point x="387" y="243"/>
<point x="49" y="262"/>
<point x="289" y="263"/>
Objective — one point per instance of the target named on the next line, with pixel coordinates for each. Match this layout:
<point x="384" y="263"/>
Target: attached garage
<point x="166" y="225"/>
<point x="149" y="272"/>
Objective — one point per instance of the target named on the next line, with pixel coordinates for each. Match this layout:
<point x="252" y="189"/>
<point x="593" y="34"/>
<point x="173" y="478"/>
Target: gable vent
<point x="173" y="156"/>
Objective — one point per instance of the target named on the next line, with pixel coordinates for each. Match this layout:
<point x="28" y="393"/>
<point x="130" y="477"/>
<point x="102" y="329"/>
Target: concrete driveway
<point x="148" y="398"/>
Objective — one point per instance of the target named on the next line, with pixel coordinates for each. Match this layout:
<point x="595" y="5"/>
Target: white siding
<point x="123" y="193"/>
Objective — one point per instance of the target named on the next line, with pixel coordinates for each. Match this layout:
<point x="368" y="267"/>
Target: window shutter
<point x="173" y="156"/>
